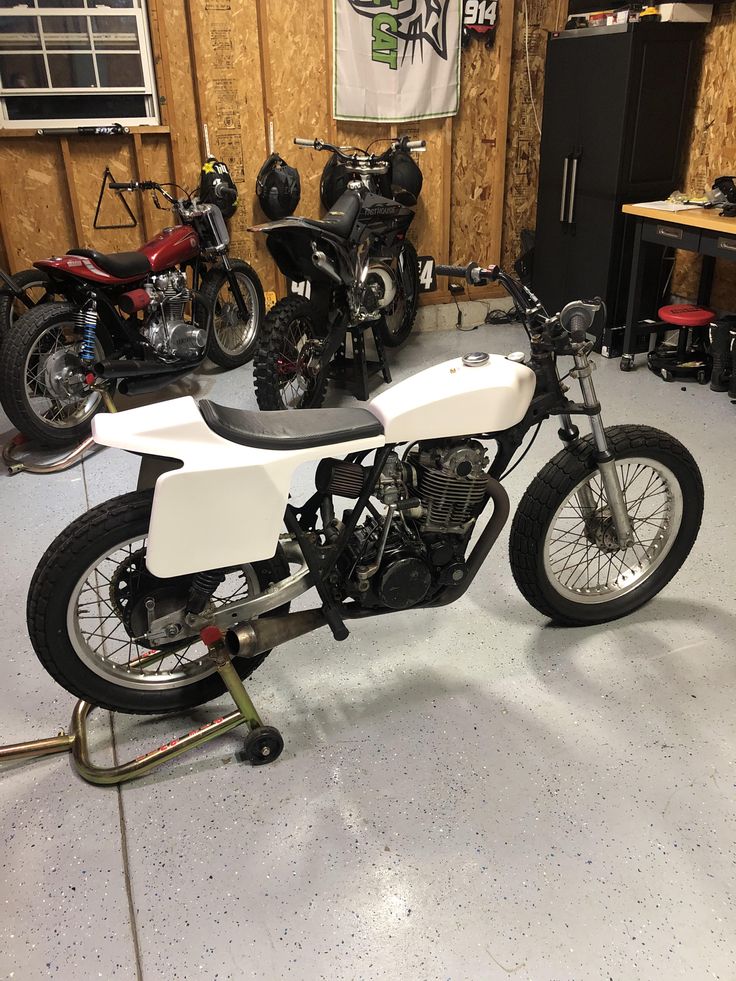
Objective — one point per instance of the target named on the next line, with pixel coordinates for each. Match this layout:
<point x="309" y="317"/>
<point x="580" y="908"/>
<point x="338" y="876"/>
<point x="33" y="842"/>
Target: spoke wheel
<point x="36" y="286"/>
<point x="565" y="554"/>
<point x="582" y="557"/>
<point x="398" y="318"/>
<point x="233" y="336"/>
<point x="287" y="362"/>
<point x="88" y="615"/>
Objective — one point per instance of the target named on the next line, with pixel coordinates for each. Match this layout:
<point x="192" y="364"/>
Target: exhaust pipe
<point x="256" y="636"/>
<point x="121" y="368"/>
<point x="149" y="383"/>
<point x="322" y="263"/>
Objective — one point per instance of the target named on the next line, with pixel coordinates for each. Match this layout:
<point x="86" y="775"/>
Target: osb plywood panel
<point x="475" y="154"/>
<point x="711" y="150"/>
<point x="298" y="88"/>
<point x="522" y="150"/>
<point x="37" y="215"/>
<point x="176" y="80"/>
<point x="429" y="231"/>
<point x="225" y="42"/>
<point x="155" y="165"/>
<point x="89" y="157"/>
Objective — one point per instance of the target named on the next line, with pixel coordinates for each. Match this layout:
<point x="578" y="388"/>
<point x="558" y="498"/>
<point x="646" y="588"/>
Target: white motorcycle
<point x="118" y="601"/>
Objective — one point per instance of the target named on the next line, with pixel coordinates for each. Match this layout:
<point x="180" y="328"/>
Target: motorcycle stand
<point x="22" y="456"/>
<point x="362" y="368"/>
<point x="263" y="744"/>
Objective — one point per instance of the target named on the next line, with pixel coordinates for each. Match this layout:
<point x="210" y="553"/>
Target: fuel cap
<point x="518" y="356"/>
<point x="476" y="359"/>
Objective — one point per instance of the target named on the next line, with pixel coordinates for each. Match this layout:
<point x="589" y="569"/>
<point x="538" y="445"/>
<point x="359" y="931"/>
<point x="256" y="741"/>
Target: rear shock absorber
<point x="86" y="324"/>
<point x="201" y="589"/>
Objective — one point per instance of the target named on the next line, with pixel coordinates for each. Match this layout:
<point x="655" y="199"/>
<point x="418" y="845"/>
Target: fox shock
<point x="86" y="324"/>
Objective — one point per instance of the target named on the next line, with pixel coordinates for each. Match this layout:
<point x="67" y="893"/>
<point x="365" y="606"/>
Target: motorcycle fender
<point x="225" y="504"/>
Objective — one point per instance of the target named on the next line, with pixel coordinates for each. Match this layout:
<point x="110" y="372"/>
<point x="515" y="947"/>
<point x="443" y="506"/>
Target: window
<point x="79" y="62"/>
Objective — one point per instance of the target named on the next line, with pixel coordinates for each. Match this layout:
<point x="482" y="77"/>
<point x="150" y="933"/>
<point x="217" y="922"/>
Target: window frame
<point x="148" y="91"/>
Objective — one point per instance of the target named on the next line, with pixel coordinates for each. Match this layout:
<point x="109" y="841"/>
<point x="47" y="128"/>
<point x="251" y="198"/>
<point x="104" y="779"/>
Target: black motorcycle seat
<point x="289" y="429"/>
<point x="123" y="265"/>
<point x="341" y="217"/>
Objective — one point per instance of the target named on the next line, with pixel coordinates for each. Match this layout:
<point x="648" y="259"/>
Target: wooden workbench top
<point x="694" y="217"/>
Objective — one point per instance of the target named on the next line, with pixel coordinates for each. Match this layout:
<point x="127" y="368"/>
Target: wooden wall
<point x="711" y="149"/>
<point x="240" y="68"/>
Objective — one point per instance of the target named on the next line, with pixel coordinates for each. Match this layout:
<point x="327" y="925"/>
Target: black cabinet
<point x="612" y="132"/>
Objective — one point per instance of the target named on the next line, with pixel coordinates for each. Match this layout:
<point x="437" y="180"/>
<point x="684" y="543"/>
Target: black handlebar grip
<point x="226" y="193"/>
<point x="454" y="272"/>
<point x="122" y="185"/>
<point x="578" y="327"/>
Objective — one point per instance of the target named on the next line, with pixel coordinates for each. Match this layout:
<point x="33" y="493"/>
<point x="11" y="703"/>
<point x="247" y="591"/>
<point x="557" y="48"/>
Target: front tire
<point x="232" y="341"/>
<point x="84" y="613"/>
<point x="284" y="365"/>
<point x="396" y="323"/>
<point x="564" y="554"/>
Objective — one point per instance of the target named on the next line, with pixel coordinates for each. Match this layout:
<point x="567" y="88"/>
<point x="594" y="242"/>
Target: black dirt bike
<point x="362" y="273"/>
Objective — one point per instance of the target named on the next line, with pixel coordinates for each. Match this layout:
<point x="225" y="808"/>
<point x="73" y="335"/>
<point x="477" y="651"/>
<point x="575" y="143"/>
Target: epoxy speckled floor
<point x="465" y="794"/>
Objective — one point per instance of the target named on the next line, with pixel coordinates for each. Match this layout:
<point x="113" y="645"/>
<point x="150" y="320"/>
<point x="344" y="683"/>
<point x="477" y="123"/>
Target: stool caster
<point x="627" y="363"/>
<point x="666" y="375"/>
<point x="262" y="745"/>
<point x="702" y="377"/>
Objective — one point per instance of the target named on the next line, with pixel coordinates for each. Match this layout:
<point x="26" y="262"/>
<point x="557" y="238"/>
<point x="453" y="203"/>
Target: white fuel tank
<point x="456" y="399"/>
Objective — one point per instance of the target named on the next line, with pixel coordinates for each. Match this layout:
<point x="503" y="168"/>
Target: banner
<point x="396" y="60"/>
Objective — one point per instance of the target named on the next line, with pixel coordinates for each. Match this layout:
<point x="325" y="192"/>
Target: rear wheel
<point x="398" y="319"/>
<point x="288" y="358"/>
<point x="35" y="284"/>
<point x="42" y="379"/>
<point x="233" y="336"/>
<point x="565" y="555"/>
<point x="88" y="615"/>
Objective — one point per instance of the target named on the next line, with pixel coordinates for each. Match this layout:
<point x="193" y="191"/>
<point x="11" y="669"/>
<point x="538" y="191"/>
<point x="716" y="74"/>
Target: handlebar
<point x="417" y="146"/>
<point x="472" y="273"/>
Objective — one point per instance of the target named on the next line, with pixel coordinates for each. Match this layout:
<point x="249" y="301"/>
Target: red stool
<point x="684" y="361"/>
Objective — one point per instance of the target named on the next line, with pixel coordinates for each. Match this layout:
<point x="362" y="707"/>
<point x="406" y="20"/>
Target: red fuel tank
<point x="171" y="246"/>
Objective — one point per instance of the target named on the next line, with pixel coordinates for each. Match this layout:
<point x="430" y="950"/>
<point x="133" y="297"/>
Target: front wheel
<point x="398" y="319"/>
<point x="88" y="614"/>
<point x="288" y="360"/>
<point x="234" y="333"/>
<point x="564" y="552"/>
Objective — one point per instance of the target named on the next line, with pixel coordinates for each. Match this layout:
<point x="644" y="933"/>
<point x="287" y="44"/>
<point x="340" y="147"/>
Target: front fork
<point x="605" y="460"/>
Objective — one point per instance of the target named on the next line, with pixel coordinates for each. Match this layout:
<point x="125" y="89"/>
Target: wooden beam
<point x="165" y="87"/>
<point x="140" y="174"/>
<point x="8" y="248"/>
<point x="199" y="109"/>
<point x="72" y="190"/>
<point x="504" y="43"/>
<point x="331" y="122"/>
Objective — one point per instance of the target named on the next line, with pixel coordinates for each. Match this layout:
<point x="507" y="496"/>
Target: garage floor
<point x="465" y="794"/>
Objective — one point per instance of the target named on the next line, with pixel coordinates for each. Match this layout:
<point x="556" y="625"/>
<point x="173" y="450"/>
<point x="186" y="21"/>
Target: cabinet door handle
<point x="565" y="166"/>
<point x="727" y="244"/>
<point x="573" y="185"/>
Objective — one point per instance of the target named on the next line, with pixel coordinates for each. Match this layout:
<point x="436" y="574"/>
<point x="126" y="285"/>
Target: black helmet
<point x="278" y="188"/>
<point x="216" y="186"/>
<point x="334" y="183"/>
<point x="406" y="178"/>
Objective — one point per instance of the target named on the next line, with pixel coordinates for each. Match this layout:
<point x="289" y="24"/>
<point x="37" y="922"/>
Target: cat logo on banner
<point x="396" y="60"/>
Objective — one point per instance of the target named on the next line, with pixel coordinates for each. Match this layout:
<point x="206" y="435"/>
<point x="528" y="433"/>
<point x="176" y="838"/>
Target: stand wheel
<point x="702" y="377"/>
<point x="667" y="375"/>
<point x="262" y="745"/>
<point x="626" y="363"/>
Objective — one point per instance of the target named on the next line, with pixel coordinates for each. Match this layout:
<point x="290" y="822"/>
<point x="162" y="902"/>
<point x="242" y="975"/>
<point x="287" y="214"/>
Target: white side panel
<point x="451" y="399"/>
<point x="225" y="505"/>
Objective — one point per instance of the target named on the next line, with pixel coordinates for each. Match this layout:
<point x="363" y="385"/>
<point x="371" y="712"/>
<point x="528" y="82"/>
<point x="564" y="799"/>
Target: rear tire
<point x="281" y="378"/>
<point x="408" y="282"/>
<point x="230" y="342"/>
<point x="541" y="567"/>
<point x="56" y="322"/>
<point x="35" y="283"/>
<point x="52" y="594"/>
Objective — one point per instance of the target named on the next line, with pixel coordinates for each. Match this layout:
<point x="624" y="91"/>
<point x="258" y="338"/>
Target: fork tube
<point x="605" y="459"/>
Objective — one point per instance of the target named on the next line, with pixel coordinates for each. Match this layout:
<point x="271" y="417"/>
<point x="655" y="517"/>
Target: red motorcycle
<point x="134" y="321"/>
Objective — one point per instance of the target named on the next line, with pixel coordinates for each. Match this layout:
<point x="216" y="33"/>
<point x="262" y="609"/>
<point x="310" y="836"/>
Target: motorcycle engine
<point x="168" y="333"/>
<point x="434" y="497"/>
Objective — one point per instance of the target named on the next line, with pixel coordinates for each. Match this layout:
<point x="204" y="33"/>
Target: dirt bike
<point x="361" y="269"/>
<point x="118" y="601"/>
<point x="129" y="320"/>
